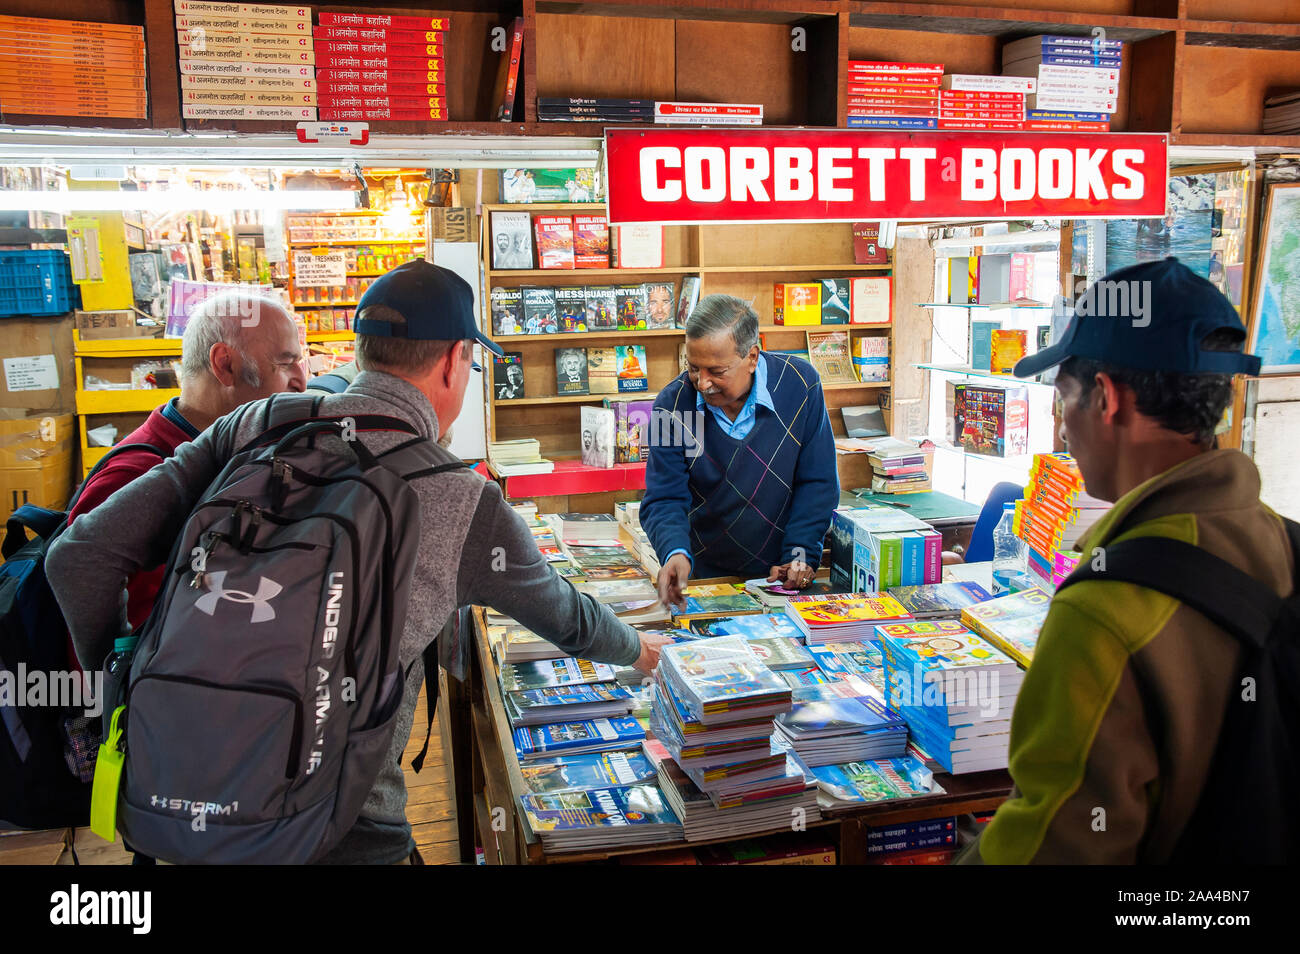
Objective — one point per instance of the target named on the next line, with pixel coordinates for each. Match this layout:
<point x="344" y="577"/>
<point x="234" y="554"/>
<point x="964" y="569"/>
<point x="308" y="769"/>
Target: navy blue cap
<point x="1148" y="317"/>
<point x="438" y="305"/>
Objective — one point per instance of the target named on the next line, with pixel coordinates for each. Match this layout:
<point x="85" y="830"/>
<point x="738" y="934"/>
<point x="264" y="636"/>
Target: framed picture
<point x="1275" y="321"/>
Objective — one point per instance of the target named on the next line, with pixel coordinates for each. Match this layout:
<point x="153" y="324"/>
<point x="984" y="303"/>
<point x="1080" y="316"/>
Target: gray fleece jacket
<point x="463" y="520"/>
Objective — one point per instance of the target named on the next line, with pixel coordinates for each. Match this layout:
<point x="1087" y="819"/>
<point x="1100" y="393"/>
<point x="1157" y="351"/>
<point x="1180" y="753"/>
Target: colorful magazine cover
<point x="1011" y="622"/>
<point x="580" y="773"/>
<point x="613" y="808"/>
<point x="517" y="677"/>
<point x="931" y="599"/>
<point x="594" y="735"/>
<point x="718" y="674"/>
<point x="837" y="609"/>
<point x="757" y="626"/>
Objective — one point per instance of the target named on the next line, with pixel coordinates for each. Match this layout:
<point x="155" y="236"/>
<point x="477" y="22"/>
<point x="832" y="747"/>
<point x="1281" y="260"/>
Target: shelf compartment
<point x="123" y="402"/>
<point x="614" y="337"/>
<point x="1007" y="22"/>
<point x="592" y="399"/>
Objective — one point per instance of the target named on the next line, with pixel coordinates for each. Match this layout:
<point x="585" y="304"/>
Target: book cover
<point x="631" y="430"/>
<point x="835" y="301"/>
<point x="688" y="299"/>
<point x="1011" y="622"/>
<point x="631" y="363"/>
<point x="554" y="241"/>
<point x="938" y="646"/>
<point x="593" y="735"/>
<point x="602" y="308"/>
<point x="720" y="675"/>
<point x="864" y="421"/>
<point x="867" y="249"/>
<point x="797" y="303"/>
<point x="591" y="241"/>
<point x="639" y="246"/>
<point x="570" y="371"/>
<point x="990" y="419"/>
<point x="539" y="310"/>
<point x="630" y="302"/>
<point x="781" y="652"/>
<point x="981" y="343"/>
<point x="871" y="300"/>
<point x="719" y="599"/>
<point x="828" y="352"/>
<point x="580" y="773"/>
<point x="512" y="243"/>
<point x="597" y="439"/>
<point x="871" y="358"/>
<point x="1008" y="345"/>
<point x="517" y="677"/>
<point x="508" y="376"/>
<point x="571" y="308"/>
<point x="507" y="83"/>
<point x="836" y="609"/>
<point x="507" y="311"/>
<point x="660" y="301"/>
<point x="602" y="371"/>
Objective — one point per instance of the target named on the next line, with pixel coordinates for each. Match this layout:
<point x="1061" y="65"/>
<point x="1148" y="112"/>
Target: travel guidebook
<point x="596" y="735"/>
<point x="580" y="773"/>
<point x="718" y="599"/>
<point x="722" y="679"/>
<point x="572" y="821"/>
<point x="553" y="672"/>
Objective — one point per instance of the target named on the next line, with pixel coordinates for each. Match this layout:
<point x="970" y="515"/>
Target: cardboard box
<point x="36" y="364"/>
<point x="38" y="456"/>
<point x="102" y="325"/>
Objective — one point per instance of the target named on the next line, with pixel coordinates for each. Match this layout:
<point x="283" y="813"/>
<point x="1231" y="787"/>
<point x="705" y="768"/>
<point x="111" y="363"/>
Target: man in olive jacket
<point x="1118" y="718"/>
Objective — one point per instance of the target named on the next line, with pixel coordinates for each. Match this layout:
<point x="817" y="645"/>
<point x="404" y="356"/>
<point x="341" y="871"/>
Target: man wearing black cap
<point x="416" y="330"/>
<point x="1116" y="723"/>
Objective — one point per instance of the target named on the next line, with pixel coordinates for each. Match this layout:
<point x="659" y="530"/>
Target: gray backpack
<point x="265" y="685"/>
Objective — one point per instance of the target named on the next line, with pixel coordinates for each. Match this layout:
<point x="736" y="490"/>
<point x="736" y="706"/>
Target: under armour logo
<point x="267" y="590"/>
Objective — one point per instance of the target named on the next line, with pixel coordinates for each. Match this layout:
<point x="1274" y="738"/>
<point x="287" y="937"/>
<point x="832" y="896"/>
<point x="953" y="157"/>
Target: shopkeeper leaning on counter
<point x="743" y="482"/>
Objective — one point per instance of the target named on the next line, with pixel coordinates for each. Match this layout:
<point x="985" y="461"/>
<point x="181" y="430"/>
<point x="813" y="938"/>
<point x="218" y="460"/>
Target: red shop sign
<point x="847" y="175"/>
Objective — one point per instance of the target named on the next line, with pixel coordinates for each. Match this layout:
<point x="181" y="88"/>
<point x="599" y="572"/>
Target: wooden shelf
<point x="1002" y="21"/>
<point x="852" y="385"/>
<point x="752" y="269"/>
<point x="622" y="336"/>
<point x="575" y="398"/>
<point x="589" y="272"/>
<point x="317" y="336"/>
<point x="802" y="328"/>
<point x="126" y="347"/>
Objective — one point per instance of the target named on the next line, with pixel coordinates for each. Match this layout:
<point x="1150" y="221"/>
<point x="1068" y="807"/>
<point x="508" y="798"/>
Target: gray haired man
<point x="416" y="329"/>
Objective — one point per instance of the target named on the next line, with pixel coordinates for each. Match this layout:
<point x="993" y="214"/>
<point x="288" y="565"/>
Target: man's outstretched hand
<point x="794" y="575"/>
<point x="672" y="580"/>
<point x="651" y="643"/>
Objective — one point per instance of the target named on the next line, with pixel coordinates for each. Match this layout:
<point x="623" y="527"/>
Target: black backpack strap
<point x="1228" y="597"/>
<point x="430" y="660"/>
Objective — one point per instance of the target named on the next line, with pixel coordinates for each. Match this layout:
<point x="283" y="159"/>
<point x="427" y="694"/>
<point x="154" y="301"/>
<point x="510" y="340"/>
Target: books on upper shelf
<point x="939" y="600"/>
<point x="871" y="358"/>
<point x="570" y="371"/>
<point x="571" y="309"/>
<point x="955" y="689"/>
<point x="699" y="114"/>
<point x="660" y="305"/>
<point x="1011" y="622"/>
<point x="543" y="674"/>
<point x="840" y="617"/>
<point x="717" y="599"/>
<point x="835" y="301"/>
<point x="602" y="308"/>
<point x="871" y="300"/>
<point x="508" y="376"/>
<point x="797" y="303"/>
<point x="512" y="240"/>
<point x="688" y="299"/>
<point x="526" y="186"/>
<point x="566" y="704"/>
<point x="828" y="352"/>
<point x="867" y="249"/>
<point x="721" y="680"/>
<point x="630" y="306"/>
<point x="1006" y="347"/>
<point x="539" y="310"/>
<point x="507" y="306"/>
<point x="631" y="363"/>
<point x="601" y="818"/>
<point x="590" y="241"/>
<point x="1281" y="112"/>
<point x="602" y="371"/>
<point x="597" y="437"/>
<point x="582" y="773"/>
<point x="554" y="241"/>
<point x="507" y="83"/>
<point x="573" y="738"/>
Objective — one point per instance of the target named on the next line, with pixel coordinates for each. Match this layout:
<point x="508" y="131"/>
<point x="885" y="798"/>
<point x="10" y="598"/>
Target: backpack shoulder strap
<point x="1229" y="597"/>
<point x="420" y="457"/>
<point x="283" y="413"/>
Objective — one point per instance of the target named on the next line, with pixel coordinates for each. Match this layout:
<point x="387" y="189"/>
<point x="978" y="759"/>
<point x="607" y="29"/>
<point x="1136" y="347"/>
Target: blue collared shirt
<point x="171" y="411"/>
<point x="744" y="423"/>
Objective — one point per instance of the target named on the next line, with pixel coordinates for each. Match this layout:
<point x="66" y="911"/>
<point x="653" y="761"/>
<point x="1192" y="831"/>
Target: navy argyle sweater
<point x="740" y="507"/>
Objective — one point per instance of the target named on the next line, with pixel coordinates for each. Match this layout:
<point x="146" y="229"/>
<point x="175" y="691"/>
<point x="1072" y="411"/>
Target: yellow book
<point x="797" y="303"/>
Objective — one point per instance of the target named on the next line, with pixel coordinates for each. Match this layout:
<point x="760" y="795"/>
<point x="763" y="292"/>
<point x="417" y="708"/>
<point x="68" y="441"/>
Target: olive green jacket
<point x="1119" y="714"/>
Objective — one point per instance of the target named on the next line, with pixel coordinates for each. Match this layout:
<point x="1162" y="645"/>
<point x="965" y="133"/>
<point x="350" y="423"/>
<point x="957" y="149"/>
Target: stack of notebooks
<point x="894" y="95"/>
<point x="1078" y="80"/>
<point x="939" y="600"/>
<point x="519" y="457"/>
<point x="843" y="617"/>
<point x="862" y="782"/>
<point x="72" y="68"/>
<point x="246" y="61"/>
<point x="378" y="66"/>
<point x="955" y="689"/>
<point x="897" y="466"/>
<point x="837" y="730"/>
<point x="1282" y="113"/>
<point x="1054" y="514"/>
<point x="1011" y="622"/>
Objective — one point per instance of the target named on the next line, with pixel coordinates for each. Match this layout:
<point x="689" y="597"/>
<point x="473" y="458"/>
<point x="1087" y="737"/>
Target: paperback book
<point x="630" y="303"/>
<point x="597" y="437"/>
<point x="570" y="371"/>
<point x="554" y="241"/>
<point x="602" y="308"/>
<point x="507" y="311"/>
<point x="512" y="244"/>
<point x="539" y="310"/>
<point x="508" y="376"/>
<point x="572" y="738"/>
<point x="547" y="673"/>
<point x="571" y="309"/>
<point x="583" y="821"/>
<point x="581" y="773"/>
<point x="631" y="361"/>
<point x="602" y="373"/>
<point x="660" y="311"/>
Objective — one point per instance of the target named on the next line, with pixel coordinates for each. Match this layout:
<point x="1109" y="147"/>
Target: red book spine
<point x="347" y="101"/>
<point x="395" y="22"/>
<point x="403" y="77"/>
<point x="332" y="115"/>
<point x="1016" y="114"/>
<point x="891" y="111"/>
<point x="1039" y="125"/>
<point x="506" y="109"/>
<point x="337" y="88"/>
<point x="894" y="79"/>
<point x="377" y="35"/>
<point x="1004" y="125"/>
<point x="974" y="96"/>
<point x="897" y="102"/>
<point x="344" y="61"/>
<point x="367" y="48"/>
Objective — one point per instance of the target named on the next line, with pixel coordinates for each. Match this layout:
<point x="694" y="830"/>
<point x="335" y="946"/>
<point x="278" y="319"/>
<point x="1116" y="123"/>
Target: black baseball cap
<point x="1148" y="317"/>
<point x="438" y="305"/>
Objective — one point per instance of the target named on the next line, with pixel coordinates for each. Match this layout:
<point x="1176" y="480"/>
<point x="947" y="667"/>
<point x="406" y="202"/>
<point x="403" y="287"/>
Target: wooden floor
<point x="430" y="808"/>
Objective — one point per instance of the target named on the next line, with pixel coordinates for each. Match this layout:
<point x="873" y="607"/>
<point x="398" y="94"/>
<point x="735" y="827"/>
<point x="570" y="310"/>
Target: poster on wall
<point x="1277" y="296"/>
<point x="1186" y="229"/>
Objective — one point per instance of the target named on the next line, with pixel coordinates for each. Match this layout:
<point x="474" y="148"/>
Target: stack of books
<point x="1011" y="622"/>
<point x="378" y="67"/>
<point x="585" y="773"/>
<point x="930" y="841"/>
<point x="939" y="600"/>
<point x="894" y="95"/>
<point x="843" y="617"/>
<point x="982" y="102"/>
<point x="1282" y="113"/>
<point x="569" y="109"/>
<point x="246" y="61"/>
<point x="876" y="547"/>
<point x="568" y="705"/>
<point x="762" y="626"/>
<point x="838" y="730"/>
<point x="72" y="68"/>
<point x="898" y="466"/>
<point x="589" y="528"/>
<point x="863" y="782"/>
<point x="1078" y="80"/>
<point x="601" y="819"/>
<point x="713" y="600"/>
<point x="573" y="738"/>
<point x="955" y="689"/>
<point x="518" y="457"/>
<point x="1055" y="513"/>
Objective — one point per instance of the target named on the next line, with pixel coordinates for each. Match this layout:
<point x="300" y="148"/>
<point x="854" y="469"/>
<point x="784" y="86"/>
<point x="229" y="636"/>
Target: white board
<point x="469" y="434"/>
<point x="1277" y="434"/>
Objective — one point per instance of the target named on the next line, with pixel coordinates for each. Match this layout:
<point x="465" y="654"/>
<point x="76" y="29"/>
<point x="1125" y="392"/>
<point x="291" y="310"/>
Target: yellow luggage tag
<point x="108" y="778"/>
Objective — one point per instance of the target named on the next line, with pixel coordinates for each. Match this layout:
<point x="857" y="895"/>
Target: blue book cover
<point x="797" y="678"/>
<point x="615" y="808"/>
<point x="720" y="674"/>
<point x="1061" y="116"/>
<point x="839" y="717"/>
<point x="1109" y="61"/>
<point x="594" y="735"/>
<point x="579" y="773"/>
<point x="893" y="122"/>
<point x="761" y="626"/>
<point x="981" y="343"/>
<point x="568" y="696"/>
<point x="913" y="568"/>
<point x="1054" y="41"/>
